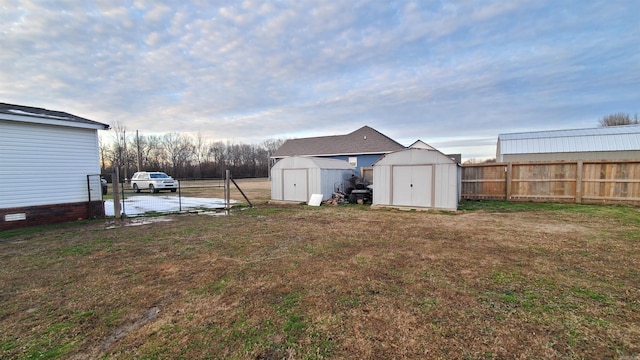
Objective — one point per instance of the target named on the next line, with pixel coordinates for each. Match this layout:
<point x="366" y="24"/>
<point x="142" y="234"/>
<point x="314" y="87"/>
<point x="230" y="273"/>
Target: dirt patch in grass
<point x="327" y="282"/>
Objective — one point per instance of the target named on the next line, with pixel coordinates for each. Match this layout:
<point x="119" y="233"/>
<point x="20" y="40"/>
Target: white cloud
<point x="157" y="13"/>
<point x="254" y="70"/>
<point x="495" y="9"/>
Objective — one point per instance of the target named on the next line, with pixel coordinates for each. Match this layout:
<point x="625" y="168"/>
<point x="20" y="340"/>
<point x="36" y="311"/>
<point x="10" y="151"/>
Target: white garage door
<point x="295" y="186"/>
<point x="412" y="185"/>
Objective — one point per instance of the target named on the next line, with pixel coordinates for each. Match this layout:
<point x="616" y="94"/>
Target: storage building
<point x="416" y="178"/>
<point x="296" y="178"/>
<point x="605" y="143"/>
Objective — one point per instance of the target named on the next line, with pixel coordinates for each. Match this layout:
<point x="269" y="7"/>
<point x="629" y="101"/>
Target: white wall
<point x="444" y="182"/>
<point x="382" y="185"/>
<point x="332" y="179"/>
<point x="319" y="180"/>
<point x="45" y="164"/>
<point x="446" y="186"/>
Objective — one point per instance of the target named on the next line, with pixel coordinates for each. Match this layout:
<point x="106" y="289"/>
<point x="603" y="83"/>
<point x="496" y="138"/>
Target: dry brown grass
<point x="330" y="282"/>
<point x="257" y="190"/>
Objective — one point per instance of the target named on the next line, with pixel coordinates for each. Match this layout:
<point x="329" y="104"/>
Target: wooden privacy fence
<point x="577" y="181"/>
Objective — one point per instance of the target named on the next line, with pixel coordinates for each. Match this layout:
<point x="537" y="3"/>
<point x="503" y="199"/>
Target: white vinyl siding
<point x="45" y="164"/>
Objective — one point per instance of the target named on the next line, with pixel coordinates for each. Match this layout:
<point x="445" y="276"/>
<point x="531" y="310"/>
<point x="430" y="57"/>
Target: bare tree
<point x="218" y="150"/>
<point x="271" y="145"/>
<point x="618" y="119"/>
<point x="154" y="157"/>
<point x="179" y="149"/>
<point x="201" y="153"/>
<point x="474" y="161"/>
<point x="119" y="149"/>
<point x="185" y="156"/>
<point x="103" y="154"/>
<point x="262" y="161"/>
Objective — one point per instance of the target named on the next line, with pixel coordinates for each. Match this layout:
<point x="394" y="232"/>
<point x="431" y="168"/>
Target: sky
<point x="454" y="74"/>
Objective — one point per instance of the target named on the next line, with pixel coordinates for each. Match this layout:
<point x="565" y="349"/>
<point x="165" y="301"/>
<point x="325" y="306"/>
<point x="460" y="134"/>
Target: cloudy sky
<point x="454" y="74"/>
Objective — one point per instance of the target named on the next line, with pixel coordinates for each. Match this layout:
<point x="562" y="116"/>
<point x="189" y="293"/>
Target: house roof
<point x="45" y="116"/>
<point x="419" y="144"/>
<point x="365" y="140"/>
<point x="610" y="138"/>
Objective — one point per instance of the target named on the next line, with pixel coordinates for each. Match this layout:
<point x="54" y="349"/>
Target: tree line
<point x="619" y="119"/>
<point x="182" y="156"/>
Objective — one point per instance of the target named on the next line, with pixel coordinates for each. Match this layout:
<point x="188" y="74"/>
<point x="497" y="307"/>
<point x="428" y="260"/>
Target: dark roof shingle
<point x="21" y="110"/>
<point x="365" y="140"/>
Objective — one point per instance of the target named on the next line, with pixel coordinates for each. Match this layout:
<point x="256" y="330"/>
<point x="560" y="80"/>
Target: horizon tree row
<point x="182" y="156"/>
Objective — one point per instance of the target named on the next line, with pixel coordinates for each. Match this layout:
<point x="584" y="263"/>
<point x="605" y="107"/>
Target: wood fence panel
<point x="607" y="182"/>
<point x="589" y="182"/>
<point x="484" y="182"/>
<point x="548" y="181"/>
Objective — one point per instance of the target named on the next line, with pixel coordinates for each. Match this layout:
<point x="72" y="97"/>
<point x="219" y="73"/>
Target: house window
<point x="353" y="161"/>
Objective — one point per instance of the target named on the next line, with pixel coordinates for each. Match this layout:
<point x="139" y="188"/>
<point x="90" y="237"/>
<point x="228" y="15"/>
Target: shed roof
<point x="40" y="115"/>
<point x="611" y="138"/>
<point x="415" y="156"/>
<point x="313" y="162"/>
<point x="365" y="140"/>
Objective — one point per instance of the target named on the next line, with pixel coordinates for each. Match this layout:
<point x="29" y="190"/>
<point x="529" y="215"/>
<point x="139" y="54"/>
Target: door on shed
<point x="412" y="185"/>
<point x="294" y="182"/>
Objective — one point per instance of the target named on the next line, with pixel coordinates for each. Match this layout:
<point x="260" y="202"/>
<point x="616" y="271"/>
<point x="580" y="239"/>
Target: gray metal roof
<point x="331" y="163"/>
<point x="365" y="140"/>
<point x="33" y="112"/>
<point x="313" y="162"/>
<point x="610" y="138"/>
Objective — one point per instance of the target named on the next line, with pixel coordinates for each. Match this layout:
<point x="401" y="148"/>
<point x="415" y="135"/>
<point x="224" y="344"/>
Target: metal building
<point x="416" y="178"/>
<point x="605" y="143"/>
<point x="296" y="178"/>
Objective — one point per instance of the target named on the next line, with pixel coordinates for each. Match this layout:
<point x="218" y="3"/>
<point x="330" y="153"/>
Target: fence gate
<point x="95" y="206"/>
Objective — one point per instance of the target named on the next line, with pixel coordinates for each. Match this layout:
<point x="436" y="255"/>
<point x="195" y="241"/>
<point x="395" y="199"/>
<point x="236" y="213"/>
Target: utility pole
<point x="126" y="162"/>
<point x="139" y="155"/>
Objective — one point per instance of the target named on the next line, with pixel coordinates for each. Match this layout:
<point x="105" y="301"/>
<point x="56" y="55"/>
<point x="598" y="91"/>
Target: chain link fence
<point x="150" y="201"/>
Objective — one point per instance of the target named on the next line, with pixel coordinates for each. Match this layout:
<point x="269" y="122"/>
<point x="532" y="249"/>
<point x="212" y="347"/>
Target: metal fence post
<point x="115" y="180"/>
<point x="179" y="197"/>
<point x="89" y="187"/>
<point x="122" y="189"/>
<point x="227" y="191"/>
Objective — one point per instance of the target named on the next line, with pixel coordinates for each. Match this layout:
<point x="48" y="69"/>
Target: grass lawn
<point x="493" y="280"/>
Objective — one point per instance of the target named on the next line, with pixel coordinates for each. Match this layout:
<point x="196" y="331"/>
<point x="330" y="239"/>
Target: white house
<point x="296" y="178"/>
<point x="49" y="167"/>
<point x="417" y="178"/>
